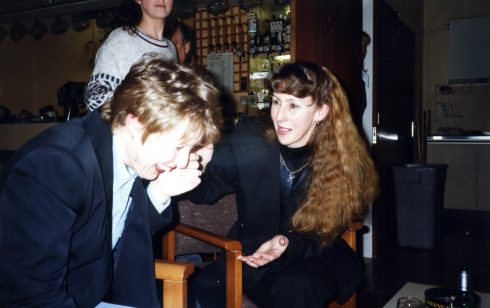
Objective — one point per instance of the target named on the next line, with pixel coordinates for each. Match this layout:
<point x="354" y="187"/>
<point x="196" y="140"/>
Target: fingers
<point x="256" y="260"/>
<point x="194" y="157"/>
<point x="205" y="154"/>
<point x="248" y="260"/>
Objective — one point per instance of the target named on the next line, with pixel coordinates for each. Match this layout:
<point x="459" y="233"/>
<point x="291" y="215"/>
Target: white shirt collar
<point x="122" y="173"/>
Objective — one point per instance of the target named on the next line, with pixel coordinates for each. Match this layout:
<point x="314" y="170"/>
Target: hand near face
<point x="267" y="252"/>
<point x="177" y="181"/>
<point x="206" y="153"/>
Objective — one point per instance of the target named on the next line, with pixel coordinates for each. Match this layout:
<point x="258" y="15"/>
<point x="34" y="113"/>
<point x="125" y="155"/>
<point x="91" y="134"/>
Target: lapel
<point x="100" y="134"/>
<point x="138" y="194"/>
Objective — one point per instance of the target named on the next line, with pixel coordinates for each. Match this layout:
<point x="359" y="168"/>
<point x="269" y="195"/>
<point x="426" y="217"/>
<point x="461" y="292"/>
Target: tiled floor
<point x="465" y="240"/>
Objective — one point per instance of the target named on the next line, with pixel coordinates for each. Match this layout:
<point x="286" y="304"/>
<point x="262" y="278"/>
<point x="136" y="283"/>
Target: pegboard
<point x="227" y="32"/>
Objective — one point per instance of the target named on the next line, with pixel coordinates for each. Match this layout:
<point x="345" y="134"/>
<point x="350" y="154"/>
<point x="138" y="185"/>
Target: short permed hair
<point x="163" y="94"/>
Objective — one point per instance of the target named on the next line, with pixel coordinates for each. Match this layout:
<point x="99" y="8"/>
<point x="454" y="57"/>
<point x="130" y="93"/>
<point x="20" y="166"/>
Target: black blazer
<point x="247" y="164"/>
<point x="55" y="223"/>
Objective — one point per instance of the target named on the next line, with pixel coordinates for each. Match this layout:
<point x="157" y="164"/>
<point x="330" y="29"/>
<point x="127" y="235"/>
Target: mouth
<point x="282" y="130"/>
<point x="160" y="168"/>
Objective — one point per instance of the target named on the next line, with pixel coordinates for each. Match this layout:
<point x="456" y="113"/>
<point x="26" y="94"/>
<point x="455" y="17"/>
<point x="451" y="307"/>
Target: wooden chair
<point x="233" y="266"/>
<point x="350" y="236"/>
<point x="174" y="276"/>
<point x="232" y="248"/>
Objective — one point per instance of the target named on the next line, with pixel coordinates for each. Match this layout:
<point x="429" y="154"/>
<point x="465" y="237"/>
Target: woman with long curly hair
<point x="299" y="180"/>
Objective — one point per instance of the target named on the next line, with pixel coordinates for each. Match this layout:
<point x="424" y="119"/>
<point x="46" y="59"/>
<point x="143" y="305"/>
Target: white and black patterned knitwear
<point x="114" y="60"/>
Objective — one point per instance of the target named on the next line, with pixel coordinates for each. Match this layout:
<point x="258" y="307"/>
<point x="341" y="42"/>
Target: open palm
<point x="267" y="252"/>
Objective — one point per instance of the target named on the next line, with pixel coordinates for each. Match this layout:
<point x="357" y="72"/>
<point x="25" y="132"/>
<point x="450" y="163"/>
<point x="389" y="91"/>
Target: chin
<point x="283" y="140"/>
<point x="149" y="177"/>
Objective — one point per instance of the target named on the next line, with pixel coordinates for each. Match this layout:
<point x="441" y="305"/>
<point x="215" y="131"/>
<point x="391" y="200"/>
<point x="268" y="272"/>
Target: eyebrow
<point x="294" y="100"/>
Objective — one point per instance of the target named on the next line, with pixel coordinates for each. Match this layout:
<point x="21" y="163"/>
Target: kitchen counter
<point x="458" y="139"/>
<point x="12" y="136"/>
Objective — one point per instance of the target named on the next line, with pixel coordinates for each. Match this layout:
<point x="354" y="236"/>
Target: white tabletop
<point x="417" y="290"/>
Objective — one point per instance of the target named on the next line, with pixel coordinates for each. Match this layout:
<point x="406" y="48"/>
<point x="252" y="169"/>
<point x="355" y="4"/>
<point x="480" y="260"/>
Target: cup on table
<point x="409" y="302"/>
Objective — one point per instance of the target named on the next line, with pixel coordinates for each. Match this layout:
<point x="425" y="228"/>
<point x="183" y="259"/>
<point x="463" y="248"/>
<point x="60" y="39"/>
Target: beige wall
<point x="31" y="71"/>
<point x="470" y="104"/>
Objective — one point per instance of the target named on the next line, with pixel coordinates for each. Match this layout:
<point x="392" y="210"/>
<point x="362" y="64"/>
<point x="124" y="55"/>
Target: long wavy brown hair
<point x="343" y="179"/>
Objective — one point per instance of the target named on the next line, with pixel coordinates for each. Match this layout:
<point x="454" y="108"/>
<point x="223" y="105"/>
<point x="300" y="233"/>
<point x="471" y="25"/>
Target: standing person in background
<point x="142" y="32"/>
<point x="75" y="216"/>
<point x="299" y="181"/>
<point x="358" y="111"/>
<point x="184" y="38"/>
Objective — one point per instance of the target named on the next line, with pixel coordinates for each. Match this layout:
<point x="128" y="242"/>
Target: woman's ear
<point x="322" y="112"/>
<point x="187" y="47"/>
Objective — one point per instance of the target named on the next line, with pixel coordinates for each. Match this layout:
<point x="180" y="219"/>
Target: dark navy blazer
<point x="55" y="223"/>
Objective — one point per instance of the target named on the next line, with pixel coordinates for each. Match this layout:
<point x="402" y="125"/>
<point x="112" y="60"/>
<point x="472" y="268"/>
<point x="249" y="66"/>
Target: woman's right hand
<point x="267" y="252"/>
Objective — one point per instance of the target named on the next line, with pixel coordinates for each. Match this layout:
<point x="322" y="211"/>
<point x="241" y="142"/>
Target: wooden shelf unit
<point x="208" y="25"/>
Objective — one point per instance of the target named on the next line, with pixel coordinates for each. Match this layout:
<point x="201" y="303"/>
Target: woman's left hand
<point x="205" y="154"/>
<point x="267" y="252"/>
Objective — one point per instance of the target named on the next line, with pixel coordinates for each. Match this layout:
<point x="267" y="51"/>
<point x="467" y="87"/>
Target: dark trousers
<point x="307" y="283"/>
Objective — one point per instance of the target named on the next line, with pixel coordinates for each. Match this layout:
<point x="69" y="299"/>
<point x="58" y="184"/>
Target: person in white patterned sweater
<point x="142" y="33"/>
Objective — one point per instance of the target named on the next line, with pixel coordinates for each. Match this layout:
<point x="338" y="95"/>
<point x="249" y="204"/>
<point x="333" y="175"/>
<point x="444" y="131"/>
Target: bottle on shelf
<point x="265" y="39"/>
<point x="287" y="28"/>
<point x="272" y="28"/>
<point x="253" y="49"/>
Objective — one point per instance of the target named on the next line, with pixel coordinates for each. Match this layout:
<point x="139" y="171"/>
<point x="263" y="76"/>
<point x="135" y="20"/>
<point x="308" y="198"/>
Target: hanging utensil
<point x="225" y="34"/>
<point x="233" y="34"/>
<point x="248" y="4"/>
<point x="217" y="35"/>
<point x="217" y="7"/>
<point x="210" y="37"/>
<point x="240" y="53"/>
<point x="17" y="31"/>
<point x="80" y="22"/>
<point x="3" y="33"/>
<point x="38" y="29"/>
<point x="184" y="9"/>
<point x="59" y="25"/>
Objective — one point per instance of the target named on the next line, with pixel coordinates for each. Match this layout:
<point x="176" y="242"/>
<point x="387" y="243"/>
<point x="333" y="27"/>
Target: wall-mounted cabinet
<point x="460" y="109"/>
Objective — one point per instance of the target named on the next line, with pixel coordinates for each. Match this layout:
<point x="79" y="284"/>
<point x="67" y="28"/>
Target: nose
<point x="279" y="113"/>
<point x="182" y="158"/>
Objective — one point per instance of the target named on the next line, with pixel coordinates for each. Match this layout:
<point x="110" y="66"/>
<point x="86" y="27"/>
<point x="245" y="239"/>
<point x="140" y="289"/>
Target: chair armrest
<point x="350" y="234"/>
<point x="355" y="226"/>
<point x="208" y="237"/>
<point x="174" y="276"/>
<point x="174" y="271"/>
